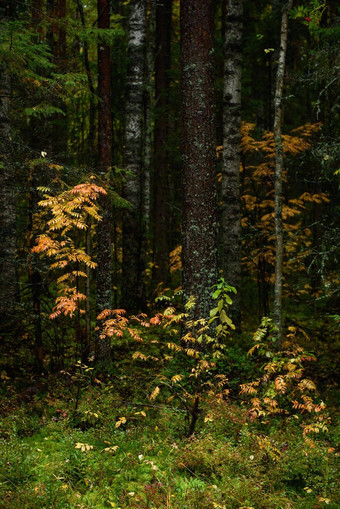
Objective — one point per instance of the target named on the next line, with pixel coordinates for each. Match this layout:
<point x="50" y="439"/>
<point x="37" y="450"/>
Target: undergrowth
<point x="117" y="452"/>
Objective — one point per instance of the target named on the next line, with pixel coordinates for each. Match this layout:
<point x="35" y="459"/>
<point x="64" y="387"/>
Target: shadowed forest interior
<point x="169" y="253"/>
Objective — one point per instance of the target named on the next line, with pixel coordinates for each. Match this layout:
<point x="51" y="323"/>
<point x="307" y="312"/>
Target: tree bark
<point x="161" y="168"/>
<point x="231" y="210"/>
<point x="278" y="118"/>
<point x="8" y="277"/>
<point x="104" y="241"/>
<point x="34" y="275"/>
<point x="199" y="256"/>
<point x="90" y="84"/>
<point x="133" y="264"/>
<point x="149" y="98"/>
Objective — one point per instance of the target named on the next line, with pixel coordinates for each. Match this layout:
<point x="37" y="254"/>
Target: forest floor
<point x="123" y="452"/>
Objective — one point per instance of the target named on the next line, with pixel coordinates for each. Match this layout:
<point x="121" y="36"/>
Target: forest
<point x="169" y="254"/>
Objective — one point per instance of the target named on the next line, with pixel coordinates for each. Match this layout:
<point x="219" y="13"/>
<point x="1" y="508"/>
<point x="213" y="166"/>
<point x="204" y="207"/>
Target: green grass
<point x="229" y="463"/>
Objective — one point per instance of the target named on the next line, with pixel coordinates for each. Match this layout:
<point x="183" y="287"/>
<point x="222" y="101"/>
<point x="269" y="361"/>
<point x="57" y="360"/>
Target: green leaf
<point x="228" y="299"/>
<point x="216" y="293"/>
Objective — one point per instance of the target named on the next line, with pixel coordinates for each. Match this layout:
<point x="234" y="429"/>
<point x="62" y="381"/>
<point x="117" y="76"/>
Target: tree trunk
<point x="231" y="210"/>
<point x="199" y="256"/>
<point x="133" y="264"/>
<point x="8" y="278"/>
<point x="34" y="274"/>
<point x="162" y="65"/>
<point x="278" y="118"/>
<point x="104" y="241"/>
<point x="90" y="85"/>
<point x="148" y="105"/>
<point x="56" y="39"/>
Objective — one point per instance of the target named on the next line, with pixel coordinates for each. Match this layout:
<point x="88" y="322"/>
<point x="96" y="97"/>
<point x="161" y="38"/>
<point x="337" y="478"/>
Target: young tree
<point x="278" y="116"/>
<point x="104" y="242"/>
<point x="199" y="153"/>
<point x="231" y="249"/>
<point x="133" y="285"/>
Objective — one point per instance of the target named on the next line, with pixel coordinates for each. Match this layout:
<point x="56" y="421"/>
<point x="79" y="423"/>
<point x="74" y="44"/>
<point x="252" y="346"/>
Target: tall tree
<point x="104" y="240"/>
<point x="148" y="116"/>
<point x="133" y="287"/>
<point x="199" y="153"/>
<point x="278" y="117"/>
<point x="8" y="278"/>
<point x="92" y="109"/>
<point x="161" y="156"/>
<point x="231" y="249"/>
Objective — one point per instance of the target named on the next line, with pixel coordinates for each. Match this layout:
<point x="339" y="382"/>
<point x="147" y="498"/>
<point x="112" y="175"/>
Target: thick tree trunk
<point x="231" y="210"/>
<point x="161" y="168"/>
<point x="8" y="279"/>
<point x="133" y="264"/>
<point x="199" y="151"/>
<point x="278" y="117"/>
<point x="104" y="241"/>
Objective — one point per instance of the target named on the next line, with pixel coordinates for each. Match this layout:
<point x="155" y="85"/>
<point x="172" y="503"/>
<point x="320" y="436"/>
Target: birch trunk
<point x="199" y="154"/>
<point x="133" y="264"/>
<point x="231" y="210"/>
<point x="104" y="241"/>
<point x="8" y="279"/>
<point x="278" y="118"/>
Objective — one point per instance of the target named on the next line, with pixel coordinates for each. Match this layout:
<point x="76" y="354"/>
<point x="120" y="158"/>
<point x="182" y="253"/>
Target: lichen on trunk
<point x="278" y="117"/>
<point x="230" y="225"/>
<point x="199" y="256"/>
<point x="133" y="263"/>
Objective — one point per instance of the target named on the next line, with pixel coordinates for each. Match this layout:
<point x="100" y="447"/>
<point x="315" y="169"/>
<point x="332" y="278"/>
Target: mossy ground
<point x="53" y="456"/>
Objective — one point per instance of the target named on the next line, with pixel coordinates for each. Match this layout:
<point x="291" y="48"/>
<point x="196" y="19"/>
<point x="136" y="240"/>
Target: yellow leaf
<point x="154" y="394"/>
<point x="121" y="420"/>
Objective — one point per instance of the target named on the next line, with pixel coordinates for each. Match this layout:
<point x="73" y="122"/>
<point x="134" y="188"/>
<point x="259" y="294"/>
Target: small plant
<point x="192" y="360"/>
<point x="70" y="211"/>
<point x="282" y="389"/>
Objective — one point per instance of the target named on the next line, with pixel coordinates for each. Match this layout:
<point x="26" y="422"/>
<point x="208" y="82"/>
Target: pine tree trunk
<point x="8" y="278"/>
<point x="199" y="256"/>
<point x="278" y="118"/>
<point x="231" y="210"/>
<point x="104" y="240"/>
<point x="162" y="65"/>
<point x="133" y="264"/>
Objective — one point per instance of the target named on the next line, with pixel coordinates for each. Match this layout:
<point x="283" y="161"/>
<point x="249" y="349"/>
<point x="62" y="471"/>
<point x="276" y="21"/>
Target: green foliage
<point x="23" y="53"/>
<point x="310" y="13"/>
<point x="144" y="463"/>
<point x="281" y="389"/>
